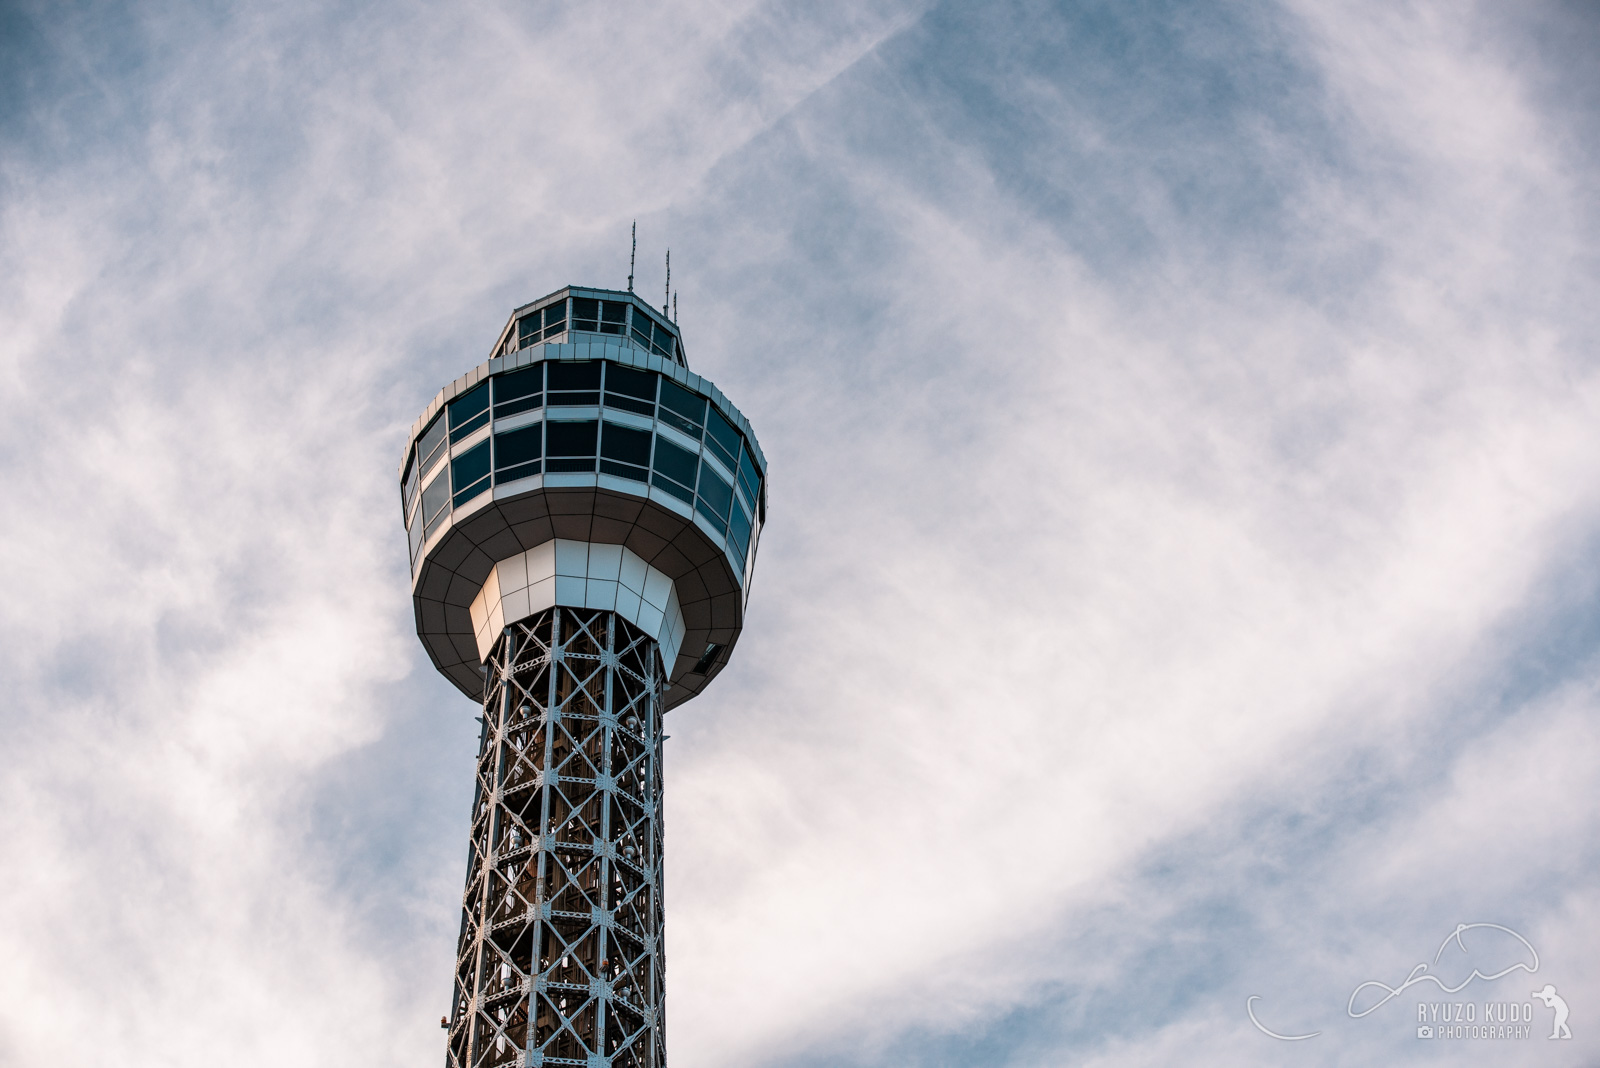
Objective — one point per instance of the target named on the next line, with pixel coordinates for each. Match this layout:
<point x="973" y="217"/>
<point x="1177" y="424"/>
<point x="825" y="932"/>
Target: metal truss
<point x="560" y="959"/>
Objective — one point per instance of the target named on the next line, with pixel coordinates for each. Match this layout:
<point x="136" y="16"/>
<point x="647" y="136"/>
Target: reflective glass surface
<point x="436" y="501"/>
<point x="570" y="446"/>
<point x="517" y="454"/>
<point x="431" y="445"/>
<point x="715" y="494"/>
<point x="681" y="409"/>
<point x="739" y="528"/>
<point x="470" y="473"/>
<point x="723" y="439"/>
<point x="573" y="382"/>
<point x="676" y="463"/>
<point x="630" y="389"/>
<point x="519" y="391"/>
<point x="469" y="411"/>
<point x="408" y="493"/>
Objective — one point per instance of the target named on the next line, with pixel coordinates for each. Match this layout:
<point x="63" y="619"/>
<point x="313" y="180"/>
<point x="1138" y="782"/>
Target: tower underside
<point x="560" y="958"/>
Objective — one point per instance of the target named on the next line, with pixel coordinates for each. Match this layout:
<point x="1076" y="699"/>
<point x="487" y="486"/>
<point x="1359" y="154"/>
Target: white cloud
<point x="1174" y="423"/>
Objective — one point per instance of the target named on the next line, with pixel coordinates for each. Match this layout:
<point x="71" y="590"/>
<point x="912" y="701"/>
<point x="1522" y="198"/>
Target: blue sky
<point x="1180" y="583"/>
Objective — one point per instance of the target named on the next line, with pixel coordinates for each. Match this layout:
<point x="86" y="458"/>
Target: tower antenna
<point x="674" y="308"/>
<point x="667" y="300"/>
<point x="633" y="255"/>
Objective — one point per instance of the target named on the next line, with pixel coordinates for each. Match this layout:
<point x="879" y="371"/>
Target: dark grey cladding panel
<point x="708" y="592"/>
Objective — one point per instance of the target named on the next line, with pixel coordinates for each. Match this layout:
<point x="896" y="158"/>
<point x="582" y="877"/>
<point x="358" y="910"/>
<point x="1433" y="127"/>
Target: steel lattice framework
<point x="560" y="958"/>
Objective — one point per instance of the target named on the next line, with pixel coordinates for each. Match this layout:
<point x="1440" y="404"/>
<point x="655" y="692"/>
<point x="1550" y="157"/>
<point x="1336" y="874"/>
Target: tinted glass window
<point x="572" y="439"/>
<point x="663" y="482"/>
<point x="628" y="381"/>
<point x="518" y="383"/>
<point x="528" y="330"/>
<point x="682" y="409"/>
<point x="575" y="374"/>
<point x="585" y="313"/>
<point x="470" y="472"/>
<point x="573" y="382"/>
<point x="749" y="481"/>
<point x="739" y="527"/>
<point x="410" y="484"/>
<point x="518" y="391"/>
<point x="626" y="444"/>
<point x="469" y="404"/>
<point x="676" y="463"/>
<point x="555" y="318"/>
<point x="435" y="499"/>
<point x="723" y="439"/>
<point x="518" y="447"/>
<point x="645" y="328"/>
<point x="662" y="345"/>
<point x="430" y="447"/>
<point x="416" y="537"/>
<point x="715" y="493"/>
<point x="469" y="411"/>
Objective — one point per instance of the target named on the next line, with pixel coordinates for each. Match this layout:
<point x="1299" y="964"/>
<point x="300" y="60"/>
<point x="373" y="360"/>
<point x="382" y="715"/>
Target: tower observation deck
<point x="583" y="515"/>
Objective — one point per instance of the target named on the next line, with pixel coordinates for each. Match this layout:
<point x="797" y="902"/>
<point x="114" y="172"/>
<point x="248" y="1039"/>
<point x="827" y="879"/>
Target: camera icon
<point x="1424" y="1031"/>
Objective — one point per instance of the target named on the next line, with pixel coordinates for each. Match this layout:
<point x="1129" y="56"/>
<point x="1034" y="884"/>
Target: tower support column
<point x="560" y="958"/>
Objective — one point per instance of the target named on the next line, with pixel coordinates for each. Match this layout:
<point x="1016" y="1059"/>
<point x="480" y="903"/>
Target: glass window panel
<point x="519" y="446"/>
<point x="676" y="463"/>
<point x="575" y="374"/>
<point x="644" y="327"/>
<point x="630" y="382"/>
<point x="585" y="313"/>
<point x="469" y="411"/>
<point x="739" y="527"/>
<point x="612" y="315"/>
<point x="469" y="404"/>
<point x="431" y="445"/>
<point x="521" y="383"/>
<point x="629" y="404"/>
<point x="719" y="523"/>
<point x="511" y="474"/>
<point x="409" y="491"/>
<point x="470" y="471"/>
<point x="682" y="409"/>
<point x="522" y="404"/>
<point x="612" y="467"/>
<point x="683" y="494"/>
<point x="555" y="318"/>
<point x="714" y="492"/>
<point x="749" y="481"/>
<point x="416" y="539"/>
<point x="723" y="438"/>
<point x="572" y="439"/>
<point x="626" y="444"/>
<point x="528" y="329"/>
<point x="573" y="382"/>
<point x="436" y="498"/>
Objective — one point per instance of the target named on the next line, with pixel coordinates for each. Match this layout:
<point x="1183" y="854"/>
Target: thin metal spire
<point x="633" y="255"/>
<point x="667" y="301"/>
<point x="674" y="309"/>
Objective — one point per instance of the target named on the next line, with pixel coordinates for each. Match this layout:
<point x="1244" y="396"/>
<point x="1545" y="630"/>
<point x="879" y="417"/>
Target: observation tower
<point x="583" y="514"/>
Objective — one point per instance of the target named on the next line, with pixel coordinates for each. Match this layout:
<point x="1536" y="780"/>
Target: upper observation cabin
<point x="571" y="314"/>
